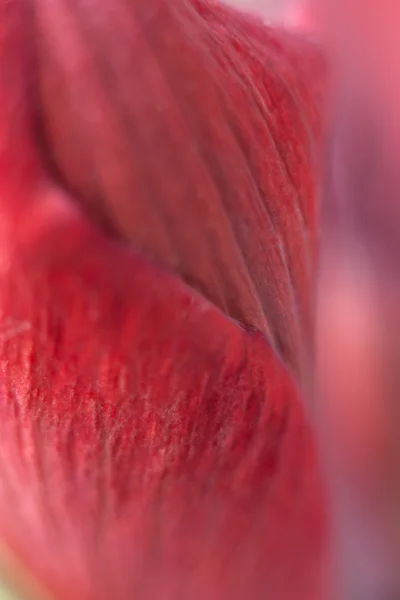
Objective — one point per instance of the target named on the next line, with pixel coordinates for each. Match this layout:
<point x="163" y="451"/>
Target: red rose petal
<point x="150" y="446"/>
<point x="191" y="131"/>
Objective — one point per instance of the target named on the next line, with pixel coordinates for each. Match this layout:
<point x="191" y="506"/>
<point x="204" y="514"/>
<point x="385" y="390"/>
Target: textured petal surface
<point x="191" y="131"/>
<point x="151" y="447"/>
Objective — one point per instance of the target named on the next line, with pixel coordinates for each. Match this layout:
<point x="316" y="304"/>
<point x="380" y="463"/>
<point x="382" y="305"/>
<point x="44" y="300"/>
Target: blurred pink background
<point x="270" y="9"/>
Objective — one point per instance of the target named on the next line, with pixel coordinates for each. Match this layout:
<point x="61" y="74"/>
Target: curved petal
<point x="189" y="130"/>
<point x="150" y="446"/>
